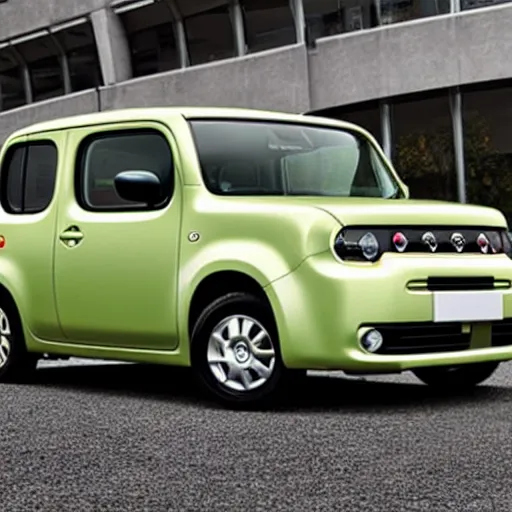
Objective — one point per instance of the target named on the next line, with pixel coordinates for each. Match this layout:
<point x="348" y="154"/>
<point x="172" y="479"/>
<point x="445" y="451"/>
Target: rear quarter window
<point x="28" y="177"/>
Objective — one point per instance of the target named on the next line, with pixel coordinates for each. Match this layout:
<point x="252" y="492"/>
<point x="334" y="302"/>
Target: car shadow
<point x="316" y="393"/>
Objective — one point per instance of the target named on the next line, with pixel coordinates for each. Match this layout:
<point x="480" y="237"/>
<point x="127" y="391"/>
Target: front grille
<point x="459" y="283"/>
<point x="429" y="337"/>
<point x="502" y="333"/>
<point x="445" y="284"/>
<point x="422" y="338"/>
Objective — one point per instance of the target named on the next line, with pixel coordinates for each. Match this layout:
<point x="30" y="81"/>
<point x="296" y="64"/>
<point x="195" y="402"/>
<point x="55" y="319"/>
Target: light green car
<point x="249" y="245"/>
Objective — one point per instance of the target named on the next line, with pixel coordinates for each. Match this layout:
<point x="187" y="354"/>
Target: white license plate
<point x="468" y="306"/>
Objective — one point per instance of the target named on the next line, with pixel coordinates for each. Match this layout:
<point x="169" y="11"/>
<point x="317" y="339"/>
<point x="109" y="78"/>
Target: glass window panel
<point x="109" y="154"/>
<point x="477" y="4"/>
<point x="40" y="176"/>
<point x="151" y="38"/>
<point x="210" y="35"/>
<point x="487" y="121"/>
<point x="268" y="24"/>
<point x="28" y="177"/>
<point x="423" y="152"/>
<point x="12" y="178"/>
<point x="365" y="115"/>
<point x="79" y="44"/>
<point x="42" y="58"/>
<point x="12" y="92"/>
<point x="262" y="158"/>
<point x="395" y="11"/>
<point x="330" y="17"/>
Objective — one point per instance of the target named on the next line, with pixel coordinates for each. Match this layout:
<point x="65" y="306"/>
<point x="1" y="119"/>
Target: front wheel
<point x="16" y="364"/>
<point x="235" y="351"/>
<point x="459" y="377"/>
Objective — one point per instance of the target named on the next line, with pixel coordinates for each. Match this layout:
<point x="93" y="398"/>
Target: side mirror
<point x="139" y="187"/>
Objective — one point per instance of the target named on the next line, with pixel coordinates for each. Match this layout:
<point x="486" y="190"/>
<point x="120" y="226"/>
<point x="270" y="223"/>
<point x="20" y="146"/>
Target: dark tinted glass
<point x="42" y="57"/>
<point x="40" y="176"/>
<point x="12" y="93"/>
<point x="13" y="176"/>
<point x="151" y="38"/>
<point x="106" y="156"/>
<point x="268" y="24"/>
<point x="265" y="158"/>
<point x="422" y="151"/>
<point x="80" y="46"/>
<point x="487" y="116"/>
<point x="210" y="36"/>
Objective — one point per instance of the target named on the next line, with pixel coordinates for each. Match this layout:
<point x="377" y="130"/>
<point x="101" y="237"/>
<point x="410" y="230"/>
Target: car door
<point x="116" y="262"/>
<point x="32" y="168"/>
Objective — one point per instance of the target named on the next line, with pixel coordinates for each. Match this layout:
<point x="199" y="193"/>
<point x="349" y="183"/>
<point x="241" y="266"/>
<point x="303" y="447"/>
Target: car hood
<point x="406" y="212"/>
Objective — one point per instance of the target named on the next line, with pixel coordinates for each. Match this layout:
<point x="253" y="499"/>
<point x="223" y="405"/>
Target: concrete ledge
<point x="79" y="103"/>
<point x="274" y="80"/>
<point x="426" y="54"/>
<point x="22" y="16"/>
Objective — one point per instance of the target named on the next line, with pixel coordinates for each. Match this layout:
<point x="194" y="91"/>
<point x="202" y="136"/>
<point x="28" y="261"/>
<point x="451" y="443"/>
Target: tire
<point x="16" y="364"/>
<point x="221" y="349"/>
<point x="456" y="377"/>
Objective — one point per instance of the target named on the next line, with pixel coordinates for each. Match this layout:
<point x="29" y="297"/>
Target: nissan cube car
<point x="251" y="246"/>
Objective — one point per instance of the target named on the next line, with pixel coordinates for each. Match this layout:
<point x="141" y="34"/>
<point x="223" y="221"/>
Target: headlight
<point x="365" y="247"/>
<point x="368" y="243"/>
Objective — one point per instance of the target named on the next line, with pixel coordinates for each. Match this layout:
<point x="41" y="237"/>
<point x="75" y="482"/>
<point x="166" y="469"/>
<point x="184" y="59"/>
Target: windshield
<point x="274" y="158"/>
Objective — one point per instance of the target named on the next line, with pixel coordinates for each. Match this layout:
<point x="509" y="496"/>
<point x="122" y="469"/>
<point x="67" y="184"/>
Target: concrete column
<point x="113" y="47"/>
<point x="385" y="125"/>
<point x="458" y="141"/>
<point x="300" y="20"/>
<point x="238" y="27"/>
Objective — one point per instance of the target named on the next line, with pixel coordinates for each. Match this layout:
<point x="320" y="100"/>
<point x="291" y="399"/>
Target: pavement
<point x="87" y="437"/>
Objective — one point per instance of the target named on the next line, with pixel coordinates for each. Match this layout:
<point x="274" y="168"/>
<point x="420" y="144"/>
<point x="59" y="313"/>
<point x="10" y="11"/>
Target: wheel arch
<point x="7" y="296"/>
<point x="219" y="283"/>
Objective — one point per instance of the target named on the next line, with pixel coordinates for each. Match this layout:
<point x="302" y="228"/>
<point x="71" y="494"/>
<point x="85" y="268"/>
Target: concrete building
<point x="431" y="79"/>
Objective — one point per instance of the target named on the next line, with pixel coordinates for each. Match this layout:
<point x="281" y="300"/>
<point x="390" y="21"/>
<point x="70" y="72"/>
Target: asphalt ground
<point x="90" y="437"/>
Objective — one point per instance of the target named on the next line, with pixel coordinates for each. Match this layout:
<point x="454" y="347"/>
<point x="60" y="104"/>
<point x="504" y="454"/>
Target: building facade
<point x="431" y="79"/>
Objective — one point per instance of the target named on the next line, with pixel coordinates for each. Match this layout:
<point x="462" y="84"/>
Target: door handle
<point x="71" y="236"/>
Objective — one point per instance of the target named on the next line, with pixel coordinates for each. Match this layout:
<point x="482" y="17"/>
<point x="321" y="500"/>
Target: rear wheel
<point x="16" y="364"/>
<point x="235" y="351"/>
<point x="459" y="377"/>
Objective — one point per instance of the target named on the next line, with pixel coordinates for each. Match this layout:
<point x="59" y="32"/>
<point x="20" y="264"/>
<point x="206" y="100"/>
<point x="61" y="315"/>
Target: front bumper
<point x="321" y="306"/>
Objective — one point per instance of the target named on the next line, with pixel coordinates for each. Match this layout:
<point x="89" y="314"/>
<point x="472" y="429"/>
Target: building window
<point x="79" y="45"/>
<point x="43" y="60"/>
<point x="210" y="35"/>
<point x="366" y="115"/>
<point x="28" y="177"/>
<point x="330" y="17"/>
<point x="102" y="157"/>
<point x="487" y="119"/>
<point x="12" y="91"/>
<point x="477" y="4"/>
<point x="423" y="151"/>
<point x="268" y="24"/>
<point x="395" y="11"/>
<point x="151" y="37"/>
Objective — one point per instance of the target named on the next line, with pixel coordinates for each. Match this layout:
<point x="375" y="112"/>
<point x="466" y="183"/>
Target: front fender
<point x="263" y="243"/>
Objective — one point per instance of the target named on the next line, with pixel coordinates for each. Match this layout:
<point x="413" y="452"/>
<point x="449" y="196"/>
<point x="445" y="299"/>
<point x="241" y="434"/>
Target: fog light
<point x="372" y="340"/>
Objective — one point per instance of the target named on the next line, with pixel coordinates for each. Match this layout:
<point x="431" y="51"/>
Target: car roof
<point x="165" y="113"/>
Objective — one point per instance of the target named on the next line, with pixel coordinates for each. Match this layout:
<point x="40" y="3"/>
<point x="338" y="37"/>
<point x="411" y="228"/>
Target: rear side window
<point x="28" y="177"/>
<point x="102" y="157"/>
